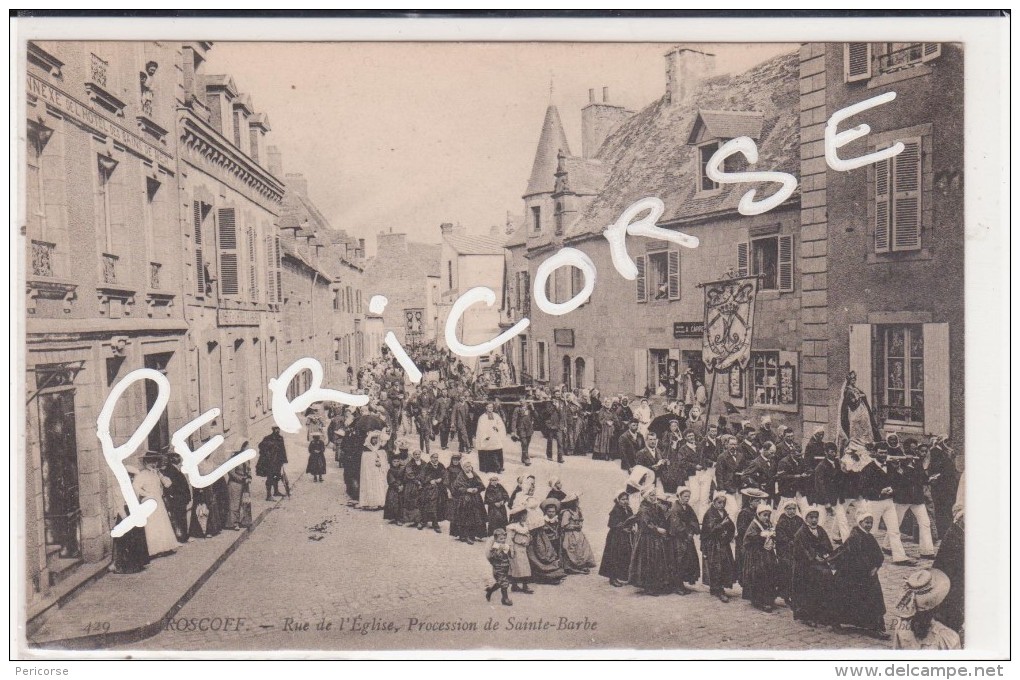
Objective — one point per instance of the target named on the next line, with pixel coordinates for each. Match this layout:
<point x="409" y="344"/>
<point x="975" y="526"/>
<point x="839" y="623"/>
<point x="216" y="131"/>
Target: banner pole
<point x="708" y="409"/>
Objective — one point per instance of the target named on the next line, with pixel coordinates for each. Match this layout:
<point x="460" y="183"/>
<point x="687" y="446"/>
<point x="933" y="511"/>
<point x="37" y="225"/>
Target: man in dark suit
<point x="827" y="491"/>
<point x="727" y="469"/>
<point x="630" y="443"/>
<point x="650" y="457"/>
<point x="523" y="428"/>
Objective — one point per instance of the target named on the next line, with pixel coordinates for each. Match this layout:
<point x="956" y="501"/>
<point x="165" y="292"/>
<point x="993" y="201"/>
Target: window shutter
<point x="742" y="258"/>
<point x="674" y="275"/>
<point x="882" y="200"/>
<point x="930" y="51"/>
<point x="860" y="357"/>
<point x="227" y="242"/>
<point x="278" y="269"/>
<point x="786" y="263"/>
<point x="640" y="371"/>
<point x="856" y="61"/>
<point x="936" y="378"/>
<point x="199" y="259"/>
<point x="545" y="364"/>
<point x="526" y="293"/>
<point x="906" y="213"/>
<point x="642" y="291"/>
<point x="253" y="277"/>
<point x="270" y="278"/>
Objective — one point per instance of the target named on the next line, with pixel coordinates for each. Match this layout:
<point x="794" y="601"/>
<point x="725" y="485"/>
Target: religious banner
<point x="729" y="322"/>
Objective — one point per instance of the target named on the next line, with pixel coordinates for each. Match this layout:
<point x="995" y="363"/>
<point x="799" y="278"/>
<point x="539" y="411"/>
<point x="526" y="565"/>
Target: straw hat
<point x="549" y="502"/>
<point x="923" y="591"/>
<point x="753" y="493"/>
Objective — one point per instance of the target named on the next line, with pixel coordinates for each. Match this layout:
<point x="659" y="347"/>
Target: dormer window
<point x="711" y="130"/>
<point x="705" y="153"/>
<point x="536" y="219"/>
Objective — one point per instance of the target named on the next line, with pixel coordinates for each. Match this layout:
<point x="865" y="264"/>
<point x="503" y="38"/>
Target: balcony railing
<point x="99" y="68"/>
<point x="42" y="258"/>
<point x="901" y="58"/>
<point x="110" y="268"/>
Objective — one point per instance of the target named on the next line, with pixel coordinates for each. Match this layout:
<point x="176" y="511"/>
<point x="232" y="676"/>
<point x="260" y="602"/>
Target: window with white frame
<point x="705" y="152"/>
<point x="772" y="377"/>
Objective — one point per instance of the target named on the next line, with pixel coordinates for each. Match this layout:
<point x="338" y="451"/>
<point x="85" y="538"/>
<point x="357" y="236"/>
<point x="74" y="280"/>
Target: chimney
<point x="275" y="161"/>
<point x="494" y="231"/>
<point x="446" y="228"/>
<point x="297" y="183"/>
<point x="598" y="121"/>
<point x="685" y="69"/>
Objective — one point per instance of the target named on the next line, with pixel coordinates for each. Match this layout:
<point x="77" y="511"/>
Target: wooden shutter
<point x="936" y="378"/>
<point x="640" y="371"/>
<point x="642" y="291"/>
<point x="743" y="258"/>
<point x="270" y="266"/>
<point x="674" y="275"/>
<point x="860" y="357"/>
<point x="278" y="269"/>
<point x="786" y="263"/>
<point x="882" y="203"/>
<point x="227" y="243"/>
<point x="856" y="61"/>
<point x="930" y="51"/>
<point x="526" y="293"/>
<point x="906" y="203"/>
<point x="253" y="278"/>
<point x="196" y="207"/>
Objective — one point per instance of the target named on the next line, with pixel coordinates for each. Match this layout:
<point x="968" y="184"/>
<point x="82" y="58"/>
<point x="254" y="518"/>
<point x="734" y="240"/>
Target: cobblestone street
<point x="379" y="586"/>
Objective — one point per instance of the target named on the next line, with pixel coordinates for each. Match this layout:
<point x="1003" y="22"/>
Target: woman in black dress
<point x="812" y="589"/>
<point x="130" y="551"/>
<point x="717" y="568"/>
<point x="650" y="564"/>
<point x="316" y="458"/>
<point x="760" y="566"/>
<point x="392" y="509"/>
<point x="468" y="520"/>
<point x="787" y="526"/>
<point x="544" y="549"/>
<point x="858" y="589"/>
<point x="497" y="501"/>
<point x="619" y="542"/>
<point x="683" y="526"/>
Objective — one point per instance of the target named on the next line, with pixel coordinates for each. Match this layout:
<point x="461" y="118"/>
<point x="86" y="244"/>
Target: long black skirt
<point x="616" y="556"/>
<point x="758" y="578"/>
<point x="490" y="460"/>
<point x="649" y="565"/>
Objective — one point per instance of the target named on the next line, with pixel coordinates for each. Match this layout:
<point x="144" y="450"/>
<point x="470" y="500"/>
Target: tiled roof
<point x="727" y="124"/>
<point x="519" y="235"/>
<point x="550" y="143"/>
<point x="647" y="157"/>
<point x="474" y="245"/>
<point x="584" y="176"/>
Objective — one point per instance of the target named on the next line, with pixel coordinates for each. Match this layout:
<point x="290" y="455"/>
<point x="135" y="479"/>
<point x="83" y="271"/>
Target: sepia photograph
<point x="356" y="346"/>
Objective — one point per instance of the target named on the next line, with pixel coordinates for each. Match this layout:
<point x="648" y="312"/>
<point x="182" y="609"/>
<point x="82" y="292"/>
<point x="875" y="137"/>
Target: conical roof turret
<point x="550" y="143"/>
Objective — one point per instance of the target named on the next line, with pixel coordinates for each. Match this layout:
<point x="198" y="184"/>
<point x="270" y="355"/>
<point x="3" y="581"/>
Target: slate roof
<point x="727" y="124"/>
<point x="584" y="176"/>
<point x="550" y="143"/>
<point x="474" y="245"/>
<point x="648" y="155"/>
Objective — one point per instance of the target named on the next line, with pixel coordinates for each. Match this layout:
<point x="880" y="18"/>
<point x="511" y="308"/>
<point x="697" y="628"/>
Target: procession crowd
<point x="724" y="503"/>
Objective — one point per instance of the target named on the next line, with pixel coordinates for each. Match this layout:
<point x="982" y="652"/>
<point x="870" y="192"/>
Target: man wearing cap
<point x="630" y="443"/>
<point x="876" y="489"/>
<point x="827" y="490"/>
<point x="708" y="452"/>
<point x="523" y="426"/>
<point x="690" y="464"/>
<point x="727" y="471"/>
<point x="814" y="450"/>
<point x="765" y="435"/>
<point x="792" y="475"/>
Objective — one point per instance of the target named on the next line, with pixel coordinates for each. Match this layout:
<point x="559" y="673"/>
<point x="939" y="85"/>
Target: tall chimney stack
<point x="685" y="70"/>
<point x="275" y="162"/>
<point x="591" y="95"/>
<point x="605" y="95"/>
<point x="446" y="228"/>
<point x="598" y="121"/>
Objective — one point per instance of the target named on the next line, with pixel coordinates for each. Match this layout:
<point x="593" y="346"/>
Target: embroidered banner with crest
<point x="729" y="322"/>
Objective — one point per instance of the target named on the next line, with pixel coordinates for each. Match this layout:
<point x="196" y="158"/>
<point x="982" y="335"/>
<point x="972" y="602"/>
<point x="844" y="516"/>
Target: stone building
<point x="408" y="274"/>
<point x="469" y="261"/>
<point x="323" y="308"/>
<point x="631" y="335"/>
<point x="104" y="282"/>
<point x="233" y="275"/>
<point x="892" y="224"/>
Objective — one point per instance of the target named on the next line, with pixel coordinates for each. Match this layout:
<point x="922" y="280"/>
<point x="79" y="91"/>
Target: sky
<point x="406" y="136"/>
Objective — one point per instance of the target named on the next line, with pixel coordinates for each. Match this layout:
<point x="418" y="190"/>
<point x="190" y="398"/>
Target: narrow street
<point x="318" y="574"/>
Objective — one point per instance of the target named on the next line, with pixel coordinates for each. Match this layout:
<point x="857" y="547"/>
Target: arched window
<point x="579" y="376"/>
<point x="567" y="365"/>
